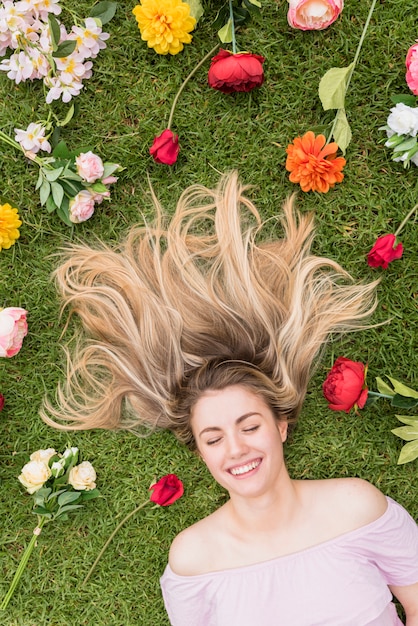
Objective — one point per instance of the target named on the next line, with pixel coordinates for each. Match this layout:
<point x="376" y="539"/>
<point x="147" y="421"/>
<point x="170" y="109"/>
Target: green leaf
<point x="407" y="99"/>
<point x="44" y="192"/>
<point x="409" y="452"/>
<point x="407" y="420"/>
<point x="54" y="29"/>
<point x="54" y="174"/>
<point x="403" y="402"/>
<point x="67" y="497"/>
<point x="402" y="389"/>
<point x="71" y="188"/>
<point x="40" y="510"/>
<point x="394" y="140"/>
<point x="225" y="33"/>
<point x="196" y="9"/>
<point x="409" y="433"/>
<point x="104" y="11"/>
<point x="69" y="507"/>
<point x="39" y="181"/>
<point x="110" y="168"/>
<point x="89" y="495"/>
<point x="99" y="187"/>
<point x="255" y="3"/>
<point x="65" y="49"/>
<point x="63" y="214"/>
<point x="332" y="87"/>
<point x="406" y="145"/>
<point x="61" y="151"/>
<point x="342" y="131"/>
<point x="383" y="387"/>
<point x="50" y="205"/>
<point x="68" y="117"/>
<point x="57" y="193"/>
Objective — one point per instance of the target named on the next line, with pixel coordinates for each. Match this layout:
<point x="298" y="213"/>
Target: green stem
<point x="354" y="63"/>
<point x="186" y="80"/>
<point x="11" y="142"/>
<point x="411" y="212"/>
<point x="23" y="562"/>
<point x="118" y="527"/>
<point x="231" y="18"/>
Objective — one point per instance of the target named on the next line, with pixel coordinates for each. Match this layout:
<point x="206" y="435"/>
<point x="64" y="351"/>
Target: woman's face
<point x="239" y="439"/>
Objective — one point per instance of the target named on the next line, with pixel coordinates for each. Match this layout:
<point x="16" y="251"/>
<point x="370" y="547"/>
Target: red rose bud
<point x="167" y="490"/>
<point x="384" y="252"/>
<point x="236" y="72"/>
<point x="1" y="401"/>
<point x="165" y="148"/>
<point x="344" y="387"/>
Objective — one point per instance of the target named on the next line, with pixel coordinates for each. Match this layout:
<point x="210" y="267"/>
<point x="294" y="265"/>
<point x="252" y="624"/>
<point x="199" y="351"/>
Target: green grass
<point x="121" y="108"/>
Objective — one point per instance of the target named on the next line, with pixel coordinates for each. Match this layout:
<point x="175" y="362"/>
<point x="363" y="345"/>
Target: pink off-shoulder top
<point x="341" y="582"/>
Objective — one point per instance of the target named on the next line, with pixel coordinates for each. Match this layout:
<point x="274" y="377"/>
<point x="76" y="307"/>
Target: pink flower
<point x="81" y="207"/>
<point x="313" y="14"/>
<point x="33" y="138"/>
<point x="13" y="328"/>
<point x="109" y="180"/>
<point x="384" y="252"/>
<point x="412" y="68"/>
<point x="165" y="148"/>
<point x="89" y="166"/>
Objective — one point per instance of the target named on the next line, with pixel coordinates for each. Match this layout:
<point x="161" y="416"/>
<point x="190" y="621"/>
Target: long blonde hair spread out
<point x="194" y="305"/>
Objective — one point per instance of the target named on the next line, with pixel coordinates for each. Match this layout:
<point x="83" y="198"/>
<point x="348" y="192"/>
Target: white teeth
<point x="236" y="471"/>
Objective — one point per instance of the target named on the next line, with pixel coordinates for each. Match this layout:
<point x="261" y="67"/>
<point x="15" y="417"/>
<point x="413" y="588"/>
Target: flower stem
<point x="23" y="562"/>
<point x="354" y="63"/>
<point x="118" y="527"/>
<point x="231" y="19"/>
<point x="411" y="212"/>
<point x="186" y="80"/>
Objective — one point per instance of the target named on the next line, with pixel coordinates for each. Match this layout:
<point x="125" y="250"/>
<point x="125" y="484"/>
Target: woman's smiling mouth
<point x="244" y="469"/>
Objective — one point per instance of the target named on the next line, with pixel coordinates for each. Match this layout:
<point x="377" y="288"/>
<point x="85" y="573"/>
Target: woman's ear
<point x="282" y="426"/>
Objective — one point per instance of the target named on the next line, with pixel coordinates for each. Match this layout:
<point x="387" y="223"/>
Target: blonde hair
<point x="165" y="314"/>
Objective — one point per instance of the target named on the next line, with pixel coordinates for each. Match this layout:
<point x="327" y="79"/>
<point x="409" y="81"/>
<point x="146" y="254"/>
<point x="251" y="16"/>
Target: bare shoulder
<point x="190" y="552"/>
<point x="356" y="501"/>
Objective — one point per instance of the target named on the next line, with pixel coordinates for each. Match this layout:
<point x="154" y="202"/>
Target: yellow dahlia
<point x="165" y="24"/>
<point x="9" y="226"/>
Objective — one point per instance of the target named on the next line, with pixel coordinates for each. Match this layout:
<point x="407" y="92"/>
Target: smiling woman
<point x="200" y="329"/>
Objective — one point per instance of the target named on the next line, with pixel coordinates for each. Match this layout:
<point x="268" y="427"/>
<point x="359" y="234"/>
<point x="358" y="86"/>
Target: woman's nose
<point x="237" y="446"/>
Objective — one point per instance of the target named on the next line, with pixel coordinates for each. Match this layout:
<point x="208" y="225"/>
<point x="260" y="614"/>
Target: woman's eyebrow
<point x="239" y="419"/>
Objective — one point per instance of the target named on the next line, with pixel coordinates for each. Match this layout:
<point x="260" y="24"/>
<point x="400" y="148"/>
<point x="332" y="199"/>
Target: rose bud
<point x="344" y="387"/>
<point x="313" y="14"/>
<point x="167" y="490"/>
<point x="165" y="148"/>
<point x="384" y="252"/>
<point x="230" y="72"/>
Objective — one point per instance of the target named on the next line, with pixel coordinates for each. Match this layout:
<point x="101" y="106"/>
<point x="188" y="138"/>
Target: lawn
<point x="121" y="108"/>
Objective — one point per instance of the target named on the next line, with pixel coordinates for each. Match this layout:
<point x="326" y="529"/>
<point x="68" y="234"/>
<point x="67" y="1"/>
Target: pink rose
<point x="81" y="207"/>
<point x="345" y="386"/>
<point x="89" y="166"/>
<point x="412" y="68"/>
<point x="384" y="251"/>
<point x="313" y="14"/>
<point x="13" y="328"/>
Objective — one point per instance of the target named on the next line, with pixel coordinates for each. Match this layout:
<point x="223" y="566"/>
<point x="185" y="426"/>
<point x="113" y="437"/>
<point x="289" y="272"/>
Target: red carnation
<point x="344" y="387"/>
<point x="383" y="252"/>
<point x="165" y="148"/>
<point x="231" y="72"/>
<point x="167" y="490"/>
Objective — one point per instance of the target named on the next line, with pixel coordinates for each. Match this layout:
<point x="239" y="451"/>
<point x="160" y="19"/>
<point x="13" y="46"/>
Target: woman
<point x="197" y="328"/>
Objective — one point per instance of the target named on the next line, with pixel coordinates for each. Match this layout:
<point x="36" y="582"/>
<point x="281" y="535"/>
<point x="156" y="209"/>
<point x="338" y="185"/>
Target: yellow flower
<point x="165" y="24"/>
<point x="9" y="226"/>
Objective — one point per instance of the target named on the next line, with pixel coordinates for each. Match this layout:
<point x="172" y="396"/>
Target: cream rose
<point x="34" y="475"/>
<point x="82" y="476"/>
<point x="313" y="14"/>
<point x="43" y="455"/>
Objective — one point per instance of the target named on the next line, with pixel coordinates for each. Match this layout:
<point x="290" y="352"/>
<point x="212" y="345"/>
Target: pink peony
<point x="81" y="207"/>
<point x="89" y="166"/>
<point x="412" y="68"/>
<point x="13" y="328"/>
<point x="313" y="14"/>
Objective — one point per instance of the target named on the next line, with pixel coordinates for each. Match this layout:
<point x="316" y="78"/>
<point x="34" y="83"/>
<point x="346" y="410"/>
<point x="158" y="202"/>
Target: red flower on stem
<point x="167" y="490"/>
<point x="345" y="386"/>
<point x="1" y="401"/>
<point x="384" y="251"/>
<point x="241" y="71"/>
<point x="165" y="148"/>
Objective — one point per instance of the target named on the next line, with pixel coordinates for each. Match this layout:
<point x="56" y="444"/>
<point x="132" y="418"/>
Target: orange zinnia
<point x="313" y="164"/>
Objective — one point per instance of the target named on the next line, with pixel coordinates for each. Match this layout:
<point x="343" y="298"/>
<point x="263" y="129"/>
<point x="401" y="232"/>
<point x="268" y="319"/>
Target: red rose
<point x="344" y="387"/>
<point x="236" y="72"/>
<point x="165" y="148"/>
<point x="167" y="490"/>
<point x="383" y="252"/>
<point x="1" y="401"/>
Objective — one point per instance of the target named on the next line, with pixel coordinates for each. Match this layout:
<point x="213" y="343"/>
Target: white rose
<point x="34" y="475"/>
<point x="403" y="120"/>
<point x="43" y="455"/>
<point x="82" y="476"/>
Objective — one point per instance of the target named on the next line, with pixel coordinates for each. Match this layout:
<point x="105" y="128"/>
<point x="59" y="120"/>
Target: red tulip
<point x="344" y="387"/>
<point x="384" y="252"/>
<point x="236" y="72"/>
<point x="167" y="490"/>
<point x="165" y="148"/>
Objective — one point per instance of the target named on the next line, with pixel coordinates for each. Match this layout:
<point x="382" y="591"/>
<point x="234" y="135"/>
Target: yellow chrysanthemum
<point x="165" y="24"/>
<point x="9" y="226"/>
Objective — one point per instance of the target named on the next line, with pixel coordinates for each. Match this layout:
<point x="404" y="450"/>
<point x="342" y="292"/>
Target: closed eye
<point x="252" y="429"/>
